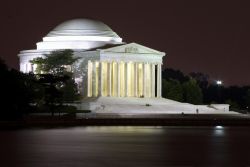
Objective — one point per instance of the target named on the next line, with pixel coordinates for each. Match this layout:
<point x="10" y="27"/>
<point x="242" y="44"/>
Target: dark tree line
<point x="18" y="91"/>
<point x="179" y="87"/>
<point x="53" y="86"/>
<point x="46" y="91"/>
<point x="196" y="88"/>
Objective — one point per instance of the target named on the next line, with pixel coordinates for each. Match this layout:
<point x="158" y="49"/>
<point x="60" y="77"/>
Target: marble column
<point x="108" y="79"/>
<point x="152" y="80"/>
<point x="94" y="79"/>
<point x="135" y="79"/>
<point x="100" y="79"/>
<point x="144" y="80"/>
<point x="89" y="79"/>
<point x="27" y="68"/>
<point x="118" y="79"/>
<point x="126" y="78"/>
<point x="84" y="86"/>
<point x="159" y="80"/>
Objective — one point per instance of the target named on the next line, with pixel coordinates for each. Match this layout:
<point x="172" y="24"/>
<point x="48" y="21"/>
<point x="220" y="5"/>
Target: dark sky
<point x="212" y="37"/>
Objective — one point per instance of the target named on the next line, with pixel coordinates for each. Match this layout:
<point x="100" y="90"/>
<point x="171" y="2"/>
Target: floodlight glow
<point x="219" y="127"/>
<point x="219" y="82"/>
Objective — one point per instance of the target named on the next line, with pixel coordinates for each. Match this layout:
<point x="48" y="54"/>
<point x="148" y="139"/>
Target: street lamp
<point x="219" y="82"/>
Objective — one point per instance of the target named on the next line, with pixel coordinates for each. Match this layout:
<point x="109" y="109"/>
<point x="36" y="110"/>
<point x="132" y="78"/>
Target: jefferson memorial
<point x="111" y="75"/>
<point x="108" y="66"/>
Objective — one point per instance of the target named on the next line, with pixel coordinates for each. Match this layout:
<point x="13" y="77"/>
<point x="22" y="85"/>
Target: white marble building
<point x="112" y="76"/>
<point x="107" y="66"/>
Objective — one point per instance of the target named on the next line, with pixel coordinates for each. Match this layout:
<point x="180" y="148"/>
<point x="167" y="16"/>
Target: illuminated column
<point x="93" y="79"/>
<point x="28" y="68"/>
<point x="140" y="79"/>
<point x="85" y="83"/>
<point x="153" y="80"/>
<point x="118" y="79"/>
<point x="135" y="79"/>
<point x="159" y="80"/>
<point x="109" y="80"/>
<point x="100" y="79"/>
<point x="90" y="78"/>
<point x="126" y="78"/>
<point x="144" y="80"/>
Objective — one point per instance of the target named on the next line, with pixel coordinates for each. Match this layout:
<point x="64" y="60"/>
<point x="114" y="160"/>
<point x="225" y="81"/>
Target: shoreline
<point x="166" y="120"/>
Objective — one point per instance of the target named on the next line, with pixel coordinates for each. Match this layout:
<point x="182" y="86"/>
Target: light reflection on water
<point x="219" y="127"/>
<point x="123" y="129"/>
<point x="219" y="131"/>
<point x="126" y="146"/>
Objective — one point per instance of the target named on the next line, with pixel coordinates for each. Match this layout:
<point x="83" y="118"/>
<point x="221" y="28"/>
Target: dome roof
<point x="82" y="27"/>
<point x="79" y="34"/>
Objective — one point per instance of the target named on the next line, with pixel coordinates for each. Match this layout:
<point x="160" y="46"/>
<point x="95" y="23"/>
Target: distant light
<point x="219" y="127"/>
<point x="219" y="82"/>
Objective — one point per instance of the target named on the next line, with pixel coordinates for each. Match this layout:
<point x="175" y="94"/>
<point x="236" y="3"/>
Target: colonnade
<point x="123" y="79"/>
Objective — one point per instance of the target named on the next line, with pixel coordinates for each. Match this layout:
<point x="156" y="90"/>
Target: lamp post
<point x="219" y="84"/>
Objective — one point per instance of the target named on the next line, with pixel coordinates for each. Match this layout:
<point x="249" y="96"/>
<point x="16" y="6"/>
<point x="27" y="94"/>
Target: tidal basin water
<point x="126" y="146"/>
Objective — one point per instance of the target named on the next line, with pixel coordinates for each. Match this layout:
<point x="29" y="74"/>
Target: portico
<point x="124" y="79"/>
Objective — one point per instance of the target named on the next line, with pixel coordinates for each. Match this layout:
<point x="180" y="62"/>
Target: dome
<point x="79" y="34"/>
<point x="82" y="27"/>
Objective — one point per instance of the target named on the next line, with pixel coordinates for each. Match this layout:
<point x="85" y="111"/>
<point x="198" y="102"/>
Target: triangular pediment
<point x="132" y="48"/>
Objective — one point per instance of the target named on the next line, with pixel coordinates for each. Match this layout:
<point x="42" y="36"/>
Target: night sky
<point x="211" y="37"/>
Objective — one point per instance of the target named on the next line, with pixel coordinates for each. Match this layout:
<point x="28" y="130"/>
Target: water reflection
<point x="219" y="127"/>
<point x="126" y="146"/>
<point x="123" y="129"/>
<point x="219" y="131"/>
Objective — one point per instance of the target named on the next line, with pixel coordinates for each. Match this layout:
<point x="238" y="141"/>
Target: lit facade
<point x="124" y="78"/>
<point x="107" y="66"/>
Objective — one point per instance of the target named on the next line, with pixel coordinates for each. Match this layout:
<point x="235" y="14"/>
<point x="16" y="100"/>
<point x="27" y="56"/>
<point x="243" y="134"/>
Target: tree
<point x="248" y="99"/>
<point x="169" y="73"/>
<point x="233" y="105"/>
<point x="70" y="91"/>
<point x="56" y="63"/>
<point x="201" y="79"/>
<point x="237" y="94"/>
<point x="19" y="92"/>
<point x="192" y="92"/>
<point x="54" y="72"/>
<point x="172" y="89"/>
